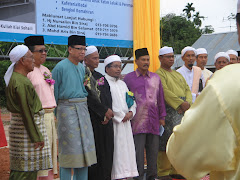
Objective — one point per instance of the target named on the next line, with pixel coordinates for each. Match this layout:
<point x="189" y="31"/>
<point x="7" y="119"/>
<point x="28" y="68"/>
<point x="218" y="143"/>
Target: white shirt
<point x="188" y="76"/>
<point x="124" y="157"/>
<point x="206" y="73"/>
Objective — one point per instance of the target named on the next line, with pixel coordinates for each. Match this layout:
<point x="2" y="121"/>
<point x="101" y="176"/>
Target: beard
<point x="190" y="65"/>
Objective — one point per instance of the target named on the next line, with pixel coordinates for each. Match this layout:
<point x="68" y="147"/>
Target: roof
<point x="213" y="43"/>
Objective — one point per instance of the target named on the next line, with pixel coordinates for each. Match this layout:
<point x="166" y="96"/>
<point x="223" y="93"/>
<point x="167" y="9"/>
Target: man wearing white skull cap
<point x="202" y="58"/>
<point x="221" y="60"/>
<point x="124" y="108"/>
<point x="216" y="126"/>
<point x="29" y="150"/>
<point x="192" y="74"/>
<point x="233" y="56"/>
<point x="178" y="99"/>
<point x="101" y="117"/>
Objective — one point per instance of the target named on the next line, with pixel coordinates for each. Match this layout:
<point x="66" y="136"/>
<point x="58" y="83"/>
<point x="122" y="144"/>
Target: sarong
<point x="52" y="138"/>
<point x="23" y="155"/>
<point x="75" y="134"/>
<point x="172" y="119"/>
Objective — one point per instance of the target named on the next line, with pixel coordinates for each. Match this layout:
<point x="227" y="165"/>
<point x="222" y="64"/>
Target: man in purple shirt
<point x="148" y="91"/>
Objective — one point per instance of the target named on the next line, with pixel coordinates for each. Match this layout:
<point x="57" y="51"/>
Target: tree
<point x="188" y="10"/>
<point x="208" y="30"/>
<point x="197" y="19"/>
<point x="178" y="32"/>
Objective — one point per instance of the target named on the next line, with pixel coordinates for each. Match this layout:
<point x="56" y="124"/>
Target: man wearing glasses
<point x="178" y="99"/>
<point x="44" y="88"/>
<point x="76" y="140"/>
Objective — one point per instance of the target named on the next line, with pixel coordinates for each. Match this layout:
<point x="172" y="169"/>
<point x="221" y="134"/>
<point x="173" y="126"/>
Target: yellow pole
<point x="146" y="29"/>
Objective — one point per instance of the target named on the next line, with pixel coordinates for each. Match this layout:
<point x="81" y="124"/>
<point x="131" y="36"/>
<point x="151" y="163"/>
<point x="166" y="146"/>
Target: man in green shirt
<point x="178" y="98"/>
<point x="28" y="143"/>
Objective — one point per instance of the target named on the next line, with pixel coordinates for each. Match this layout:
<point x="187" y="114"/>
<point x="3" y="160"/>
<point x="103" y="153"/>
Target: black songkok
<point x="238" y="53"/>
<point x="141" y="52"/>
<point x="76" y="40"/>
<point x="34" y="40"/>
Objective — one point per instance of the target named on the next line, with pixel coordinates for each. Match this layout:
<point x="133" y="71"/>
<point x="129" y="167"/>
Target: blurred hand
<point x="162" y="122"/>
<point x="185" y="106"/>
<point x="109" y="114"/>
<point x="128" y="116"/>
<point x="105" y="120"/>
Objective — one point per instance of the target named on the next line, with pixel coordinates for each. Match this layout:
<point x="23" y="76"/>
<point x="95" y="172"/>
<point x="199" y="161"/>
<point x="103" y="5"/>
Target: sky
<point x="215" y="11"/>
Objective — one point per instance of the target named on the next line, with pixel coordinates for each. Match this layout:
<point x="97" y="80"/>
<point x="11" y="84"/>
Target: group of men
<point x="104" y="124"/>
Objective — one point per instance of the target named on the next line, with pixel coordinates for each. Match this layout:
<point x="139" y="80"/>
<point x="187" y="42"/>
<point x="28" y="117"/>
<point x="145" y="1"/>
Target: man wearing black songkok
<point x="75" y="133"/>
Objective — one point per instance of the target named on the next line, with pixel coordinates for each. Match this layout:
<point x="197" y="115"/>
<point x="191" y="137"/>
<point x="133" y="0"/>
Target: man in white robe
<point x="124" y="157"/>
<point x="214" y="144"/>
<point x="192" y="74"/>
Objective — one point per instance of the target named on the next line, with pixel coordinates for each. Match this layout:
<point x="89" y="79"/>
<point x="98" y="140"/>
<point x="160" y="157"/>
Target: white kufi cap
<point x="188" y="48"/>
<point x="221" y="54"/>
<point x="232" y="52"/>
<point x="201" y="51"/>
<point x="90" y="50"/>
<point x="112" y="58"/>
<point x="15" y="55"/>
<point x="165" y="50"/>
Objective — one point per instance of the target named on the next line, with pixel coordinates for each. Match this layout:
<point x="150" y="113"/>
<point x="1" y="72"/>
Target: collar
<point x="111" y="78"/>
<point x="139" y="74"/>
<point x="186" y="69"/>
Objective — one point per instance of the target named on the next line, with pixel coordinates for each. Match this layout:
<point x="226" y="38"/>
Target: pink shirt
<point x="44" y="90"/>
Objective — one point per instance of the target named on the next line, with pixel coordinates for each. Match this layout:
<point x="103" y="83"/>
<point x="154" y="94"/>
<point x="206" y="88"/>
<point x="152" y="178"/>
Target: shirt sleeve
<point x="188" y="93"/>
<point x="204" y="141"/>
<point x="24" y="97"/>
<point x="94" y="102"/>
<point x="161" y="103"/>
<point x="170" y="98"/>
<point x="57" y="76"/>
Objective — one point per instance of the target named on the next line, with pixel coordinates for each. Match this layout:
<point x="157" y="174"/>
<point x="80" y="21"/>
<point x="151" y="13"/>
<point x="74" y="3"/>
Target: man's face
<point x="221" y="62"/>
<point x="39" y="54"/>
<point x="189" y="58"/>
<point x="77" y="52"/>
<point x="114" y="70"/>
<point x="233" y="59"/>
<point x="143" y="62"/>
<point x="167" y="60"/>
<point x="28" y="61"/>
<point x="92" y="60"/>
<point x="202" y="60"/>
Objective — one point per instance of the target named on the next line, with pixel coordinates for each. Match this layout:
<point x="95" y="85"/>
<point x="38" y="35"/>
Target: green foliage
<point x="188" y="10"/>
<point x="3" y="68"/>
<point x="207" y="30"/>
<point x="178" y="32"/>
<point x="197" y="19"/>
<point x="56" y="50"/>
